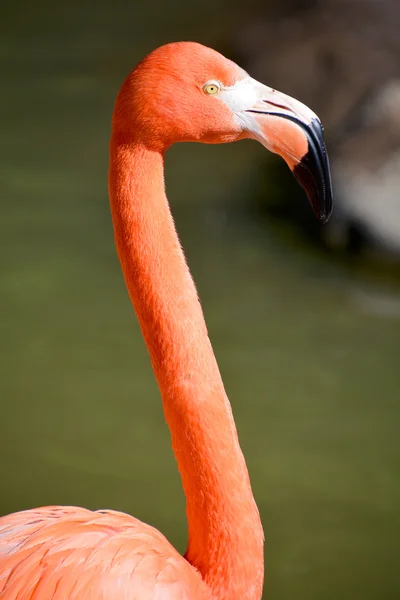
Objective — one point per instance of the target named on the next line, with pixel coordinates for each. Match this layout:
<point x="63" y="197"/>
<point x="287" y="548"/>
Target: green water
<point x="310" y="363"/>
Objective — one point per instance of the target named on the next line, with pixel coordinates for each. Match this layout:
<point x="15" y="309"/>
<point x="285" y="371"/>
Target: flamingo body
<point x="73" y="553"/>
<point x="180" y="92"/>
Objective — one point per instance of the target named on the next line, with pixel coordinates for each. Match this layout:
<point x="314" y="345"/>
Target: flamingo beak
<point x="289" y="128"/>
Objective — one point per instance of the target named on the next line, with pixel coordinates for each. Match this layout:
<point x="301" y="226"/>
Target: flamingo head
<point x="186" y="92"/>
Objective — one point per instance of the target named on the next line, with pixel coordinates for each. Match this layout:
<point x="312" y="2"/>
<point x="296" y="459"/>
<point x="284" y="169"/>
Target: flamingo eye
<point x="211" y="88"/>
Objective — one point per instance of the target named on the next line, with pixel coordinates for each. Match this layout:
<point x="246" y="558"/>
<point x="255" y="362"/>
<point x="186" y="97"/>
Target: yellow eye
<point x="212" y="88"/>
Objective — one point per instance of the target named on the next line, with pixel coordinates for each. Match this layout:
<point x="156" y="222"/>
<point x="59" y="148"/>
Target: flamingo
<point x="180" y="92"/>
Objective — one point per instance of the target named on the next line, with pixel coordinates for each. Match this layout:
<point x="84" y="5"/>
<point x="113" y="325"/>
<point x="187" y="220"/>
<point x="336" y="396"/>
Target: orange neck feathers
<point x="225" y="532"/>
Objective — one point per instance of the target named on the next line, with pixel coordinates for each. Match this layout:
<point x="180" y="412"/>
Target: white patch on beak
<point x="244" y="94"/>
<point x="247" y="94"/>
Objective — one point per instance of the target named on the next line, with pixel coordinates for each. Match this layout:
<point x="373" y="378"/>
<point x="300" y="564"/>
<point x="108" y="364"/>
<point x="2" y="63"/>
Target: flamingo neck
<point x="225" y="532"/>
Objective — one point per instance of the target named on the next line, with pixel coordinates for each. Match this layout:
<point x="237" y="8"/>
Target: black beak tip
<point x="313" y="172"/>
<point x="323" y="218"/>
<point x="321" y="199"/>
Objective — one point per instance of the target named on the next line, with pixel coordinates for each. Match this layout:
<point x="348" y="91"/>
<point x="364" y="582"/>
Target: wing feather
<point x="68" y="553"/>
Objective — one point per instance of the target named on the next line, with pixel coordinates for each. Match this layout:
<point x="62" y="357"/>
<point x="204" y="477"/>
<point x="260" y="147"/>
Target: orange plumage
<point x="71" y="553"/>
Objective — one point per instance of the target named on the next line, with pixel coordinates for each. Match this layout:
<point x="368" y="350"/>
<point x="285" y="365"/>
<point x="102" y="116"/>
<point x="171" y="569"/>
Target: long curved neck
<point x="225" y="532"/>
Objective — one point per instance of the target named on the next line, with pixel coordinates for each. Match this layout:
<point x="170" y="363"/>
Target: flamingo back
<point x="68" y="553"/>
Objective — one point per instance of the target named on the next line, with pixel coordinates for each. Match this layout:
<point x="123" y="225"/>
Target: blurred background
<point x="305" y="321"/>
